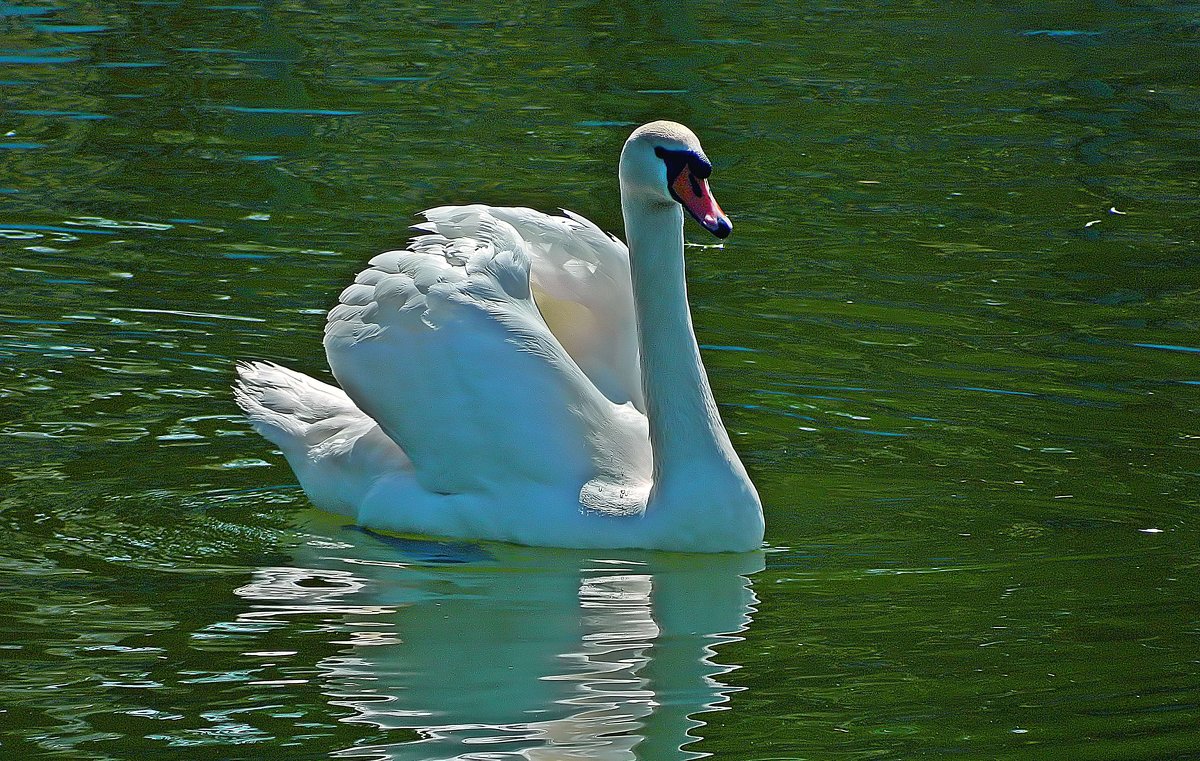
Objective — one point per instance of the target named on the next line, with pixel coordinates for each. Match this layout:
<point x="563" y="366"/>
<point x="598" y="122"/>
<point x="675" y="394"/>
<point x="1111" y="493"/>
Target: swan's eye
<point x="677" y="160"/>
<point x="685" y="169"/>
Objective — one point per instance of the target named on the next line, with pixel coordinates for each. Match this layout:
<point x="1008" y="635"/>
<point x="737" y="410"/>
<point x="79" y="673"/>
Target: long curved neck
<point x="686" y="433"/>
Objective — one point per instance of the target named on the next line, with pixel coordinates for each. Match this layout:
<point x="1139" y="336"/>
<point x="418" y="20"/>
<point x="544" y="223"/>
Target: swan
<point x="526" y="378"/>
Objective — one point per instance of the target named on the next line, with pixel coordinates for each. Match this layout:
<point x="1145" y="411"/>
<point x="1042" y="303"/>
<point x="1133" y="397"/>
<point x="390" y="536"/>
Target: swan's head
<point x="663" y="163"/>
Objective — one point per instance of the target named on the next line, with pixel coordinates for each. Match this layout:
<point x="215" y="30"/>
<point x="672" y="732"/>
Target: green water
<point x="954" y="335"/>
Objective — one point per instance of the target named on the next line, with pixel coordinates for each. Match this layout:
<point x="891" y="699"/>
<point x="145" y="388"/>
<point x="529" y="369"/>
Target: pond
<point x="953" y="336"/>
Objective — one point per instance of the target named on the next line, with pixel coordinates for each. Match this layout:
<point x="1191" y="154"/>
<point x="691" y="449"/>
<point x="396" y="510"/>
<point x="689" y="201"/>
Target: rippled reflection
<point x="514" y="652"/>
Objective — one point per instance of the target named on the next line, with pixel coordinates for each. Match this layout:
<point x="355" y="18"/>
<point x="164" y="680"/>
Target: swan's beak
<point x="693" y="193"/>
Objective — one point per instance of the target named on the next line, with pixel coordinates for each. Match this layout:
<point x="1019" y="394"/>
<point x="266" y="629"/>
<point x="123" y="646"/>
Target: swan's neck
<point x="690" y="445"/>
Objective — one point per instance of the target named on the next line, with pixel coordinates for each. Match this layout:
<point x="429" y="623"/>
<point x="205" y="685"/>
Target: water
<point x="954" y="335"/>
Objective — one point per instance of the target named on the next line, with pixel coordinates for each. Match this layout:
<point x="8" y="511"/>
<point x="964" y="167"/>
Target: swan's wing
<point x="443" y="346"/>
<point x="581" y="284"/>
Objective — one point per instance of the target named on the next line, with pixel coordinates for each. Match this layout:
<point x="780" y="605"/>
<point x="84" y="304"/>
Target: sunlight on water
<point x="953" y="337"/>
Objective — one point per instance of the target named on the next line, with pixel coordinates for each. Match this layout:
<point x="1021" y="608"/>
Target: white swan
<point x="524" y="378"/>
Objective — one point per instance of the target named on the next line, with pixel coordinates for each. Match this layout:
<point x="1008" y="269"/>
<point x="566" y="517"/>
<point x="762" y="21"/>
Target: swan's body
<point x="522" y="377"/>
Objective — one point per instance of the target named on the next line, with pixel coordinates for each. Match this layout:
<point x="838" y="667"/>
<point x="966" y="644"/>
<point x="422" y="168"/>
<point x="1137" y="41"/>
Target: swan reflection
<point x="512" y="652"/>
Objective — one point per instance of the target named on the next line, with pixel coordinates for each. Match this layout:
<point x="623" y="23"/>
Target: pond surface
<point x="954" y="335"/>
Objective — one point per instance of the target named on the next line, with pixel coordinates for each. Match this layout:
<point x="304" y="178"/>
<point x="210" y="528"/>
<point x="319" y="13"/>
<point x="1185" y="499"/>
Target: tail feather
<point x="303" y="416"/>
<point x="335" y="449"/>
<point x="287" y="407"/>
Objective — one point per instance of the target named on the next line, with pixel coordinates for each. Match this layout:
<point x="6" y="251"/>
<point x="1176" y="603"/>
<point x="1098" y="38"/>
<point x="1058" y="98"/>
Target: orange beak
<point x="693" y="193"/>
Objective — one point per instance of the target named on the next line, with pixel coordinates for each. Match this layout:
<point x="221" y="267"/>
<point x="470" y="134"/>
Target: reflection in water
<point x="524" y="653"/>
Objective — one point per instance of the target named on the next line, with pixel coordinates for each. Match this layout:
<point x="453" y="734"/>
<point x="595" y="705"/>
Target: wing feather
<point x="581" y="285"/>
<point x="443" y="345"/>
